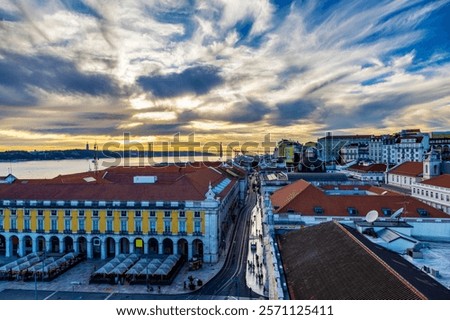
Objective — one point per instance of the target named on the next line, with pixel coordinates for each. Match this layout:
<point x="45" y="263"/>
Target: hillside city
<point x="346" y="217"/>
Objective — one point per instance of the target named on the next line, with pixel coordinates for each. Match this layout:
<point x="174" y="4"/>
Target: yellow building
<point x="165" y="210"/>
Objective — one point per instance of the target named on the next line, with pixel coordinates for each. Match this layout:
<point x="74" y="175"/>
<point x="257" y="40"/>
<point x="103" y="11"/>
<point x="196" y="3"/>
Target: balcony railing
<point x="81" y="231"/>
<point x="40" y="231"/>
<point x="182" y="233"/>
<point x="123" y="232"/>
<point x="27" y="230"/>
<point x="137" y="232"/>
<point x="67" y="231"/>
<point x="53" y="231"/>
<point x="109" y="232"/>
<point x="12" y="230"/>
<point x="197" y="233"/>
<point x="167" y="233"/>
<point x="95" y="232"/>
<point x="152" y="233"/>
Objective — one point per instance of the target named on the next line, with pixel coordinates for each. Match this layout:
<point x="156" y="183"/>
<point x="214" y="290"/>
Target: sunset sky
<point x="90" y="70"/>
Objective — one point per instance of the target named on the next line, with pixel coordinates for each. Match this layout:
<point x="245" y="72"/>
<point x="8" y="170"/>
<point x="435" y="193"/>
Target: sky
<point x="81" y="71"/>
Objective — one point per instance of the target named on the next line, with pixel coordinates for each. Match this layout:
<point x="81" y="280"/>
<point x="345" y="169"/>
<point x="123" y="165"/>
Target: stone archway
<point x="28" y="244"/>
<point x="167" y="246"/>
<point x="54" y="244"/>
<point x="41" y="244"/>
<point x="197" y="249"/>
<point x="183" y="247"/>
<point x="110" y="247"/>
<point x="153" y="246"/>
<point x="14" y="246"/>
<point x="82" y="245"/>
<point x="2" y="245"/>
<point x="138" y="246"/>
<point x="68" y="244"/>
<point x="124" y="245"/>
<point x="96" y="247"/>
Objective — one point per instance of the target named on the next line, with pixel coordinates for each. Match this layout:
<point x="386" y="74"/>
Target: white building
<point x="434" y="192"/>
<point x="405" y="175"/>
<point x="366" y="172"/>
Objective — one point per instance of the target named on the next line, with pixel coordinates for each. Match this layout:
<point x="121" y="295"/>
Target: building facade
<point x="405" y="175"/>
<point x="434" y="192"/>
<point x="168" y="210"/>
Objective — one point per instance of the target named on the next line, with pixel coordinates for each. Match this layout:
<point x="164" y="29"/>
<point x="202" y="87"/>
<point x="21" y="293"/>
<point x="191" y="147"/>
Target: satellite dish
<point x="372" y="216"/>
<point x="397" y="213"/>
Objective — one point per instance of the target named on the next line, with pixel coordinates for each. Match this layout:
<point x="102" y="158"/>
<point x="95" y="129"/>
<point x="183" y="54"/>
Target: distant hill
<point x="20" y="155"/>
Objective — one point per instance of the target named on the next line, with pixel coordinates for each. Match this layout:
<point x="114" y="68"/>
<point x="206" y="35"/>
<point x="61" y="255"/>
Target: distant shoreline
<point x="24" y="156"/>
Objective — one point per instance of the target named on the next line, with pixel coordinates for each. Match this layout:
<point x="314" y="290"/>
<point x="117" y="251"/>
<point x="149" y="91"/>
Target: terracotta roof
<point x="325" y="262"/>
<point x="439" y="181"/>
<point x="304" y="198"/>
<point x="409" y="168"/>
<point x="377" y="167"/>
<point x="174" y="183"/>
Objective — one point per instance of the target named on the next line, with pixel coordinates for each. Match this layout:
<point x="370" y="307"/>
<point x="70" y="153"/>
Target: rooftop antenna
<point x="95" y="157"/>
<point x="371" y="216"/>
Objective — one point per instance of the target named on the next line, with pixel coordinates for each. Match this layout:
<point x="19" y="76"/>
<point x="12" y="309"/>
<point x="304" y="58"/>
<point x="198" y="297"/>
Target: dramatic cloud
<point x="72" y="71"/>
<point x="198" y="80"/>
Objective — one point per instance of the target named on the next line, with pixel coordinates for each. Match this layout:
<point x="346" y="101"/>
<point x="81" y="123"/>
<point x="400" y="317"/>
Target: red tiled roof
<point x="174" y="184"/>
<point x="439" y="181"/>
<point x="325" y="262"/>
<point x="409" y="168"/>
<point x="302" y="197"/>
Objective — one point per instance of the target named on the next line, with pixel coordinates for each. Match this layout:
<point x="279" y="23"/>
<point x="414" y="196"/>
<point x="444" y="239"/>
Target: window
<point x="167" y="226"/>
<point x="414" y="190"/>
<point x="13" y="212"/>
<point x="95" y="213"/>
<point x="109" y="213"/>
<point x="421" y="191"/>
<point x="95" y="225"/>
<point x="138" y="213"/>
<point x="138" y="225"/>
<point x="109" y="225"/>
<point x="54" y="212"/>
<point x="448" y="198"/>
<point x="1" y="212"/>
<point x="152" y="214"/>
<point x="26" y="224"/>
<point x="152" y="226"/>
<point x="197" y="214"/>
<point x="352" y="211"/>
<point x="437" y="195"/>
<point x="123" y="213"/>
<point x="124" y="225"/>
<point x="13" y="223"/>
<point x="182" y="214"/>
<point x="81" y="225"/>
<point x="40" y="224"/>
<point x="197" y="226"/>
<point x="40" y="212"/>
<point x="67" y="213"/>
<point x="81" y="213"/>
<point x="68" y="224"/>
<point x="167" y="214"/>
<point x="422" y="212"/>
<point x="182" y="226"/>
<point x="26" y="212"/>
<point x="318" y="210"/>
<point x="431" y="194"/>
<point x="54" y="223"/>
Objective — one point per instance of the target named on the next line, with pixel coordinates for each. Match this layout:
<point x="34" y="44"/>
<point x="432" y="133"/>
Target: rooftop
<point x="304" y="198"/>
<point x="377" y="167"/>
<point x="169" y="183"/>
<point x="439" y="181"/>
<point x="326" y="262"/>
<point x="408" y="168"/>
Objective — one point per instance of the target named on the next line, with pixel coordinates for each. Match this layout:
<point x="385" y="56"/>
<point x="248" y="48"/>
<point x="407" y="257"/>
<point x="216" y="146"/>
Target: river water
<point x="52" y="168"/>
